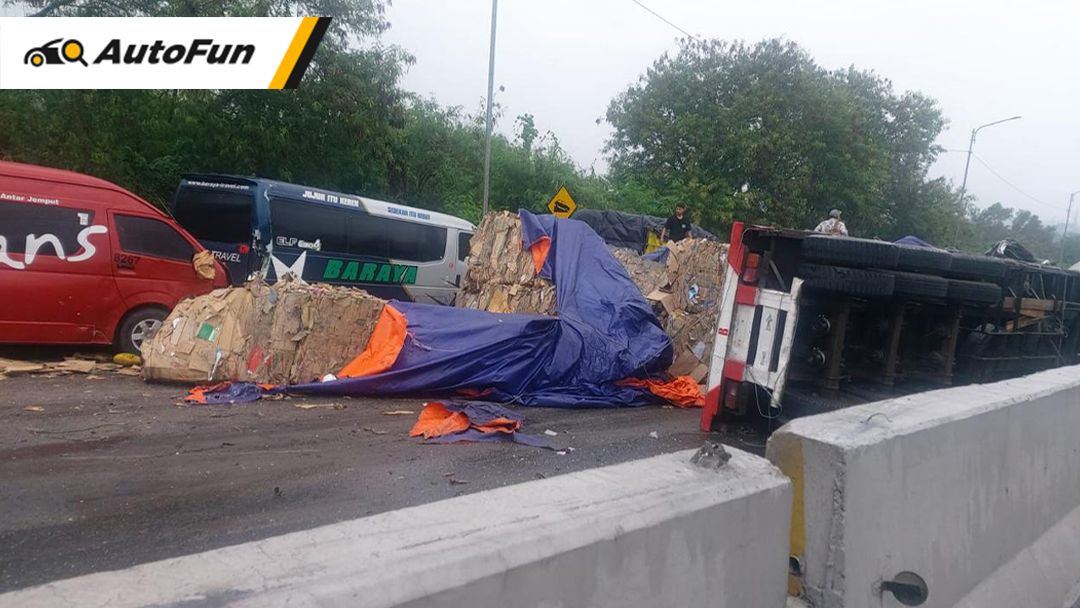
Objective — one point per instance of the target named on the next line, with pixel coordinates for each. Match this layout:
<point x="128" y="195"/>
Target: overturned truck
<point x="812" y="322"/>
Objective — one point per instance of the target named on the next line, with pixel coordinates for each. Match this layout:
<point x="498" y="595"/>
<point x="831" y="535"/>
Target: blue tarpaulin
<point x="605" y="332"/>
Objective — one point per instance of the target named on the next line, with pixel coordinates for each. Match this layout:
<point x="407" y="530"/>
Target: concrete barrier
<point x="976" y="489"/>
<point x="654" y="532"/>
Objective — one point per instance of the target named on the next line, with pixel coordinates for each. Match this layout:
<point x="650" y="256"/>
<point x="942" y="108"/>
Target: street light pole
<point x="1065" y="231"/>
<point x="491" y="92"/>
<point x="967" y="165"/>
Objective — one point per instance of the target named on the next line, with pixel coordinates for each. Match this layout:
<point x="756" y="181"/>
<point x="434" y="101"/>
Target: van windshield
<point x="210" y="215"/>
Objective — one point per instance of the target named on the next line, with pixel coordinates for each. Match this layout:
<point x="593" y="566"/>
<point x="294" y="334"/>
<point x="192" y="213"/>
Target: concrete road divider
<point x="653" y="532"/>
<point x="975" y="490"/>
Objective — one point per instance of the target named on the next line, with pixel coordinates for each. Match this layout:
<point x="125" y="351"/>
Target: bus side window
<point x="464" y="238"/>
<point x="416" y="242"/>
<point x="368" y="236"/>
<point x="308" y="222"/>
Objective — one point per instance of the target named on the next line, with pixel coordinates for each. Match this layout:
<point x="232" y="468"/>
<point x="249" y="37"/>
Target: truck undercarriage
<point x="874" y="318"/>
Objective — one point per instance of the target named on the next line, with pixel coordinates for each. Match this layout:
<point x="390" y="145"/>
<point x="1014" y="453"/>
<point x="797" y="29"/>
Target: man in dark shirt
<point x="677" y="226"/>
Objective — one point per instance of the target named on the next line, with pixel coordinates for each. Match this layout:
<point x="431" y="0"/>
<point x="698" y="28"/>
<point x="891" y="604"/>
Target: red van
<point x="83" y="261"/>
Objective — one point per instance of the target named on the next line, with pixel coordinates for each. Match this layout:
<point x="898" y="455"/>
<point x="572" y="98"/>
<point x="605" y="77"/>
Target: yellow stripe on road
<point x="288" y="62"/>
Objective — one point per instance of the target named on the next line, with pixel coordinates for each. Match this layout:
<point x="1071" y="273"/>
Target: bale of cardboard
<point x="285" y="333"/>
<point x="501" y="276"/>
<point x="685" y="290"/>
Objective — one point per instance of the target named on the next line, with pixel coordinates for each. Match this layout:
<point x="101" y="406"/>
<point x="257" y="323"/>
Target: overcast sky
<point x="564" y="60"/>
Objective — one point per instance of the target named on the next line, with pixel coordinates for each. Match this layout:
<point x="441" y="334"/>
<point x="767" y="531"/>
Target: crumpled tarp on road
<point x="473" y="421"/>
<point x="604" y="334"/>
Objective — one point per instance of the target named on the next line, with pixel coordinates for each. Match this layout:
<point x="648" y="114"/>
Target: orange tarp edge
<point x="539" y="251"/>
<point x="435" y="421"/>
<point x="682" y="391"/>
<point x="383" y="346"/>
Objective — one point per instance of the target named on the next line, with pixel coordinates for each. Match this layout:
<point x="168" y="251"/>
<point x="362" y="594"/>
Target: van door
<point x="152" y="261"/>
<point x="56" y="286"/>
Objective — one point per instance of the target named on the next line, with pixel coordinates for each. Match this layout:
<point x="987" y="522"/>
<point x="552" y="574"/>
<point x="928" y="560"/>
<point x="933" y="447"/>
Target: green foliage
<point x="762" y="133"/>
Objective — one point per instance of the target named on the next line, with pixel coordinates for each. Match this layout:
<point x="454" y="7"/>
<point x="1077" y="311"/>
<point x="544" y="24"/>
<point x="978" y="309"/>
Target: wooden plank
<point x="1031" y="304"/>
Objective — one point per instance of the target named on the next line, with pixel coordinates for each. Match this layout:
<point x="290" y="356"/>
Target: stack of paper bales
<point x="286" y="333"/>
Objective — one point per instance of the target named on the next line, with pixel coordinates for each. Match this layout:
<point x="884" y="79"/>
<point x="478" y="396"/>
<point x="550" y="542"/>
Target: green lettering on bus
<point x="384" y="274"/>
<point x="350" y="271"/>
<point x="367" y="273"/>
<point x="333" y="269"/>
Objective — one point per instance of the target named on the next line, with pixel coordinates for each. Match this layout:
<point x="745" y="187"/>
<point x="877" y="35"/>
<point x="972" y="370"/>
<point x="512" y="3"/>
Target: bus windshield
<point x="211" y="215"/>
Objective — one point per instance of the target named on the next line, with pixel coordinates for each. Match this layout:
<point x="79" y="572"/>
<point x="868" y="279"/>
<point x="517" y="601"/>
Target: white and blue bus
<point x="267" y="228"/>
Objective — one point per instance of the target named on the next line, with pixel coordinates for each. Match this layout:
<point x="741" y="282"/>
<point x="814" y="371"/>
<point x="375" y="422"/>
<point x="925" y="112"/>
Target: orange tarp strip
<point x="498" y="425"/>
<point x="383" y="346"/>
<point x="682" y="391"/>
<point x="435" y="421"/>
<point x="539" y="251"/>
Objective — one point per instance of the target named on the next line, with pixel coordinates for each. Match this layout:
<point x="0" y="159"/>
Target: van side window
<point x="463" y="240"/>
<point x="307" y="222"/>
<point x="152" y="237"/>
<point x="17" y="220"/>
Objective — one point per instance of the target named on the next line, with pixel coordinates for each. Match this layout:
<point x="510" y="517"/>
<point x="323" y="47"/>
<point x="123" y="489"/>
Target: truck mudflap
<point x="755" y="331"/>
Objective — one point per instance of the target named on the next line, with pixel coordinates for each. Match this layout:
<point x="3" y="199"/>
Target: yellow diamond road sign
<point x="562" y="204"/>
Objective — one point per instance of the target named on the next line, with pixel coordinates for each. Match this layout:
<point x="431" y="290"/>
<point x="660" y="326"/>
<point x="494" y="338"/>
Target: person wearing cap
<point x="833" y="225"/>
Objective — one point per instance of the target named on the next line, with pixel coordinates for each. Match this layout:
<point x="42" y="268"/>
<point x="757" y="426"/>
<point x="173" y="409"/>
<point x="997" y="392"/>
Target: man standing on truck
<point x="834" y="225"/>
<point x="677" y="226"/>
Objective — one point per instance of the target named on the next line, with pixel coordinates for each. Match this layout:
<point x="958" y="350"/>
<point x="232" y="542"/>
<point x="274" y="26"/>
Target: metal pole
<point x="491" y="93"/>
<point x="967" y="165"/>
<point x="1065" y="231"/>
<point x="963" y="189"/>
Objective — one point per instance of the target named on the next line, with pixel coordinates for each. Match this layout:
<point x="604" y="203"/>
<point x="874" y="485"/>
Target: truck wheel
<point x="137" y="327"/>
<point x="980" y="267"/>
<point x="850" y="251"/>
<point x="973" y="292"/>
<point x="847" y="281"/>
<point x="922" y="259"/>
<point x="919" y="286"/>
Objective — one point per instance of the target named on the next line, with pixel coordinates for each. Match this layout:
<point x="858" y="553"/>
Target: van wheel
<point x="137" y="327"/>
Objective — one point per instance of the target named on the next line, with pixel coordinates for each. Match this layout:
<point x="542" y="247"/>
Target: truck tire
<point x="850" y="251"/>
<point x="137" y="327"/>
<point x="919" y="286"/>
<point x="974" y="293"/>
<point x="847" y="281"/>
<point x="923" y="259"/>
<point x="978" y="267"/>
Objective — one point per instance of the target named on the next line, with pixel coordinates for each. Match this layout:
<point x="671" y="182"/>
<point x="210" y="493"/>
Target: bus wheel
<point x="138" y="327"/>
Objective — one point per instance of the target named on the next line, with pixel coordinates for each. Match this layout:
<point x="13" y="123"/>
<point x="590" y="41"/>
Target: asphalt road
<point x="114" y="472"/>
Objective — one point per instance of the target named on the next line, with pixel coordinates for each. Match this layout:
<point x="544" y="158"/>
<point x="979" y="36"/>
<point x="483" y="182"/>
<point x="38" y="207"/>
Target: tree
<point x="762" y="133"/>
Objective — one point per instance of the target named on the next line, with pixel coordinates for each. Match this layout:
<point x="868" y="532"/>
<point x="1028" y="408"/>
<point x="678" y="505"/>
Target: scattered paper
<point x="34" y="408"/>
<point x="654" y="435"/>
<point x="550" y="433"/>
<point x="312" y="406"/>
<point x="399" y="413"/>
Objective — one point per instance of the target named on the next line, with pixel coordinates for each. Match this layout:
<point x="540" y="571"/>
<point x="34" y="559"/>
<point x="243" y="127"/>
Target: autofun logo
<point x="53" y="53"/>
<point x="117" y="53"/>
<point x="158" y="53"/>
